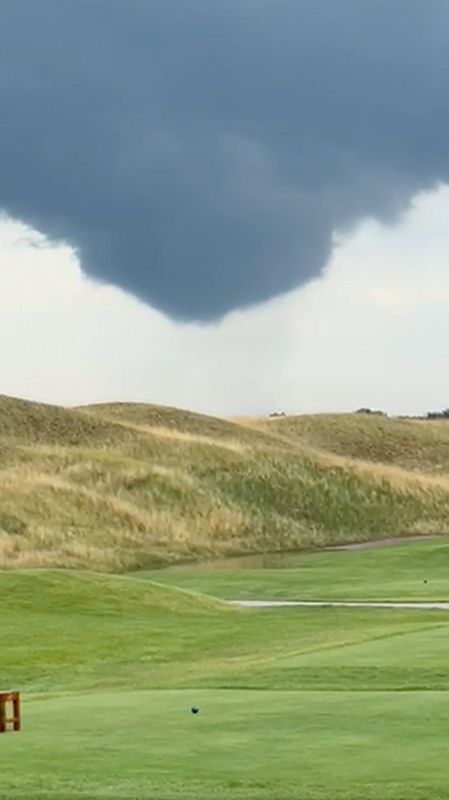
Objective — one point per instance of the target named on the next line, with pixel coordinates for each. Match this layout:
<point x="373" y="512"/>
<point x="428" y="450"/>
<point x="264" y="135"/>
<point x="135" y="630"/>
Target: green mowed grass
<point x="243" y="744"/>
<point x="69" y="631"/>
<point x="410" y="571"/>
<point x="295" y="703"/>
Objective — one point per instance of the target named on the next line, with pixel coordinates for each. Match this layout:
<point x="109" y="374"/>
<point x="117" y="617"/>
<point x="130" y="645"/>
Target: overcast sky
<point x="373" y="330"/>
<point x="240" y="205"/>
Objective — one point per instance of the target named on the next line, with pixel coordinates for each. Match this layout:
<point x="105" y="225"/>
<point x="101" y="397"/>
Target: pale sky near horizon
<point x="372" y="331"/>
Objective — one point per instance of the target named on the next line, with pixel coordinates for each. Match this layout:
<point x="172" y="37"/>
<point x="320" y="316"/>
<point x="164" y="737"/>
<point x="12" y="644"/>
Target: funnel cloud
<point x="201" y="154"/>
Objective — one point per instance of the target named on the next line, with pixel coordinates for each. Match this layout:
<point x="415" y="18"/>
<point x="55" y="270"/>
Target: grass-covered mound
<point x="120" y="487"/>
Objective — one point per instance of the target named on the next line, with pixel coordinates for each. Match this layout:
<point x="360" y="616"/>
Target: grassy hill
<point x="120" y="487"/>
<point x="411" y="444"/>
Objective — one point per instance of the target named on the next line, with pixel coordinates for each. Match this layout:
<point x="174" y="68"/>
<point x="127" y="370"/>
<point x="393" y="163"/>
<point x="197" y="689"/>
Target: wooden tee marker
<point x="9" y="700"/>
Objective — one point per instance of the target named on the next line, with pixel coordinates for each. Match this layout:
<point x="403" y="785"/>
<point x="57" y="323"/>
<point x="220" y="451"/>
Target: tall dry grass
<point x="127" y="486"/>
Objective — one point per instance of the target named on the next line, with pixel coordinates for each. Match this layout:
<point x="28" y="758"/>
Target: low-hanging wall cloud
<point x="201" y="154"/>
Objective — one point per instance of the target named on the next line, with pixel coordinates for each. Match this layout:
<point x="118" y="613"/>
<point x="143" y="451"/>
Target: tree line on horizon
<point x="444" y="414"/>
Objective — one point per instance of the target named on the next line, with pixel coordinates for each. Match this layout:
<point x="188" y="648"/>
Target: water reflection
<point x="257" y="561"/>
<point x="292" y="559"/>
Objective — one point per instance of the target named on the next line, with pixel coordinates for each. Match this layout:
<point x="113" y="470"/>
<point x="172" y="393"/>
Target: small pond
<point x="292" y="559"/>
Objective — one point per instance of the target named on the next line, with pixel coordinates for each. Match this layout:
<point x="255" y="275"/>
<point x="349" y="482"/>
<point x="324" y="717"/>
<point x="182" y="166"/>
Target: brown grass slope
<point x="414" y="445"/>
<point x="120" y="486"/>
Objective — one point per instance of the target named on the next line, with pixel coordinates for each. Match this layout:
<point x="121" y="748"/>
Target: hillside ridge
<point x="117" y="487"/>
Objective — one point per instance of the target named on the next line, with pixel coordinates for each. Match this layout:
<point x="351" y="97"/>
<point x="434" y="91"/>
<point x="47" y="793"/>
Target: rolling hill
<point x="120" y="487"/>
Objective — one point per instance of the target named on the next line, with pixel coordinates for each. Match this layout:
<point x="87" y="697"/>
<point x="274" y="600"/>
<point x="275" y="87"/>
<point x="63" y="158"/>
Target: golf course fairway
<point x="242" y="744"/>
<point x="295" y="703"/>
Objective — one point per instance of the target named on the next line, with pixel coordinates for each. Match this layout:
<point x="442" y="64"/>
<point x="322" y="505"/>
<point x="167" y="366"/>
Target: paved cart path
<point x="429" y="606"/>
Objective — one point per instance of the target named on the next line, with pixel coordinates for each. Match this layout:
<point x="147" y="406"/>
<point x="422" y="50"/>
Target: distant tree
<point x="438" y="414"/>
<point x="376" y="412"/>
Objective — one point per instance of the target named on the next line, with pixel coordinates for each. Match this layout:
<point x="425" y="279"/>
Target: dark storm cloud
<point x="200" y="153"/>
